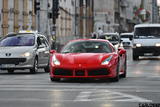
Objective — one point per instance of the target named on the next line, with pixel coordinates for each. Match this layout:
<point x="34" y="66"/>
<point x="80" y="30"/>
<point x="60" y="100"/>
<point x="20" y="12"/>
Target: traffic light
<point x="55" y="8"/>
<point x="36" y="6"/>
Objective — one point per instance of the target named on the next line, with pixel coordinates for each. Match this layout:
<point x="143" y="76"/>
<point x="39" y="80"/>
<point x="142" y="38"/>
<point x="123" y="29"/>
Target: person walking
<point x="100" y="31"/>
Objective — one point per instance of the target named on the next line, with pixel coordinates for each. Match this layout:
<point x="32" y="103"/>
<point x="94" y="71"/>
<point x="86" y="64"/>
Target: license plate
<point x="148" y="54"/>
<point x="7" y="65"/>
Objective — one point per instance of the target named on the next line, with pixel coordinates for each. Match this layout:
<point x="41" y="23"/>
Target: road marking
<point x="108" y="96"/>
<point x="144" y="62"/>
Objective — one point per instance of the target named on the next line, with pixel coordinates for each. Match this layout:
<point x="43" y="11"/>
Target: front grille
<point x="98" y="72"/>
<point x="80" y="73"/>
<point x="12" y="60"/>
<point x="64" y="72"/>
<point x="126" y="43"/>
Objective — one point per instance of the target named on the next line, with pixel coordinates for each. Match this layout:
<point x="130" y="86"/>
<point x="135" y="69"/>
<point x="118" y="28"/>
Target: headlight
<point x="55" y="60"/>
<point x="27" y="54"/>
<point x="107" y="60"/>
<point x="138" y="45"/>
<point x="157" y="44"/>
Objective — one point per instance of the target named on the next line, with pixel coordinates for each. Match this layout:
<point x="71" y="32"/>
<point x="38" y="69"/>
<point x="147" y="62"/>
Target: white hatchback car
<point x="24" y="50"/>
<point x="127" y="39"/>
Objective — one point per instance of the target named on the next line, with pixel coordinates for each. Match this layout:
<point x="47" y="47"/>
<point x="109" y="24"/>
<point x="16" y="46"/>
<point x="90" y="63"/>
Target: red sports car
<point x="88" y="58"/>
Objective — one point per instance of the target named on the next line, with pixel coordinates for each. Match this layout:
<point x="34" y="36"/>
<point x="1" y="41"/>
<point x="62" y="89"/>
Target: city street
<point x="142" y="86"/>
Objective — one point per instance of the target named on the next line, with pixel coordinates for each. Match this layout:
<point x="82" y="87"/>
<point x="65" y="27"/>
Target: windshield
<point x="18" y="40"/>
<point x="147" y="32"/>
<point x="87" y="47"/>
<point x="126" y="36"/>
<point x="110" y="38"/>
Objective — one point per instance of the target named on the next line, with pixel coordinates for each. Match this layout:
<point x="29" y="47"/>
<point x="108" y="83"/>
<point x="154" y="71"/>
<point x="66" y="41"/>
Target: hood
<point x="82" y="58"/>
<point x="15" y="51"/>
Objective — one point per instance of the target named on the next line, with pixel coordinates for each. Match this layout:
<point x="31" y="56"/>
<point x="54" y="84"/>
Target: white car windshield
<point x="18" y="40"/>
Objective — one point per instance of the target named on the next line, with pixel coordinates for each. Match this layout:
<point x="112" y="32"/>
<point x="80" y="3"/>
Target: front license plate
<point x="7" y="65"/>
<point x="148" y="54"/>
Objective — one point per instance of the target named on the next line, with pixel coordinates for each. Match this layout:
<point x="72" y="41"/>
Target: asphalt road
<point x="142" y="86"/>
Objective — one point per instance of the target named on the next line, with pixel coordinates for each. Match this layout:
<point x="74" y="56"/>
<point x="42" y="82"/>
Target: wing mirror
<point x="52" y="51"/>
<point x="121" y="51"/>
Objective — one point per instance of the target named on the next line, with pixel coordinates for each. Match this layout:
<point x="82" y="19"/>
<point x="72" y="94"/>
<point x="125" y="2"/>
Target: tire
<point x="125" y="70"/>
<point x="47" y="69"/>
<point x="35" y="67"/>
<point x="10" y="71"/>
<point x="135" y="57"/>
<point x="116" y="79"/>
<point x="54" y="79"/>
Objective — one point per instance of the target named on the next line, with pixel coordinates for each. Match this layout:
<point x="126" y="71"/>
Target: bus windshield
<point x="147" y="32"/>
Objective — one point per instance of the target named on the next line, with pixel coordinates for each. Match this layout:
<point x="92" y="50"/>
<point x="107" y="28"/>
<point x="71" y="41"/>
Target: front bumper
<point x="150" y="50"/>
<point x="83" y="72"/>
<point x="16" y="63"/>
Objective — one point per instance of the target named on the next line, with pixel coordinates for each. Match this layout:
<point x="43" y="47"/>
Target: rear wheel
<point x="35" y="67"/>
<point x="10" y="71"/>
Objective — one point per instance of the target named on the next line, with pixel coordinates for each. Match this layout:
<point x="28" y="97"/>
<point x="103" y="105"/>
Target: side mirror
<point x="121" y="51"/>
<point x="52" y="51"/>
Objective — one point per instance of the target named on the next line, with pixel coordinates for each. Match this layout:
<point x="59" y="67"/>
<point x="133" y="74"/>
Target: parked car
<point x="127" y="39"/>
<point x="114" y="38"/>
<point x="88" y="58"/>
<point x="24" y="50"/>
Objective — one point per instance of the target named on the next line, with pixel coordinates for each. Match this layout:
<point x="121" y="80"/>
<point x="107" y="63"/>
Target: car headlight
<point x="107" y="60"/>
<point x="138" y="45"/>
<point x="27" y="54"/>
<point x="157" y="44"/>
<point x="55" y="60"/>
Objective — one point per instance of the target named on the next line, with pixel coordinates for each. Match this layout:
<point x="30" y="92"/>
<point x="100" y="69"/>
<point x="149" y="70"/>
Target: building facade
<point x="16" y="15"/>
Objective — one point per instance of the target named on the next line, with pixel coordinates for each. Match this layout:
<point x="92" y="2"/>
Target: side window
<point x="45" y="41"/>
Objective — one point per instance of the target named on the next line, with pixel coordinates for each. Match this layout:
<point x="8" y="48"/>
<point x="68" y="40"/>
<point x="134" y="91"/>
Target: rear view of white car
<point x="127" y="39"/>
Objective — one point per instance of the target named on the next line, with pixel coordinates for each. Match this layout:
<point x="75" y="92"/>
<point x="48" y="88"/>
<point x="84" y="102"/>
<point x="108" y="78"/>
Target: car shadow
<point x="17" y="72"/>
<point x="84" y="80"/>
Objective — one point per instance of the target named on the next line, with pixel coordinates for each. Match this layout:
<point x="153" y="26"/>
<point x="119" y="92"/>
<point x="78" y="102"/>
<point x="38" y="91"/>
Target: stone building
<point x="16" y="15"/>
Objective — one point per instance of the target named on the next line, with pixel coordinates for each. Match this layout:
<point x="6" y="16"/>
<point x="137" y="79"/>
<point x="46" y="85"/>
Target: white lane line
<point x="76" y="90"/>
<point x="71" y="86"/>
<point x="117" y="97"/>
<point x="83" y="96"/>
<point x="144" y="62"/>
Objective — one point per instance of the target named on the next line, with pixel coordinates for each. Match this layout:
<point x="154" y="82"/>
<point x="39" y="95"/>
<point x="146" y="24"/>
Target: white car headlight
<point x="157" y="44"/>
<point x="107" y="60"/>
<point x="27" y="54"/>
<point x="55" y="60"/>
<point x="138" y="45"/>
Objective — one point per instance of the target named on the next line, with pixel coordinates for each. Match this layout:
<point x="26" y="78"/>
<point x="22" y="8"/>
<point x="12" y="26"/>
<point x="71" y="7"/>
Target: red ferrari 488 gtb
<point x="88" y="58"/>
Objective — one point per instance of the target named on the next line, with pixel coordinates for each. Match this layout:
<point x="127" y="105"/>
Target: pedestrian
<point x="100" y="31"/>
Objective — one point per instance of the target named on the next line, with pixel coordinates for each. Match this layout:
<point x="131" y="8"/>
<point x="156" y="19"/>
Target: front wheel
<point x="135" y="57"/>
<point x="125" y="70"/>
<point x="35" y="67"/>
<point x="116" y="79"/>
